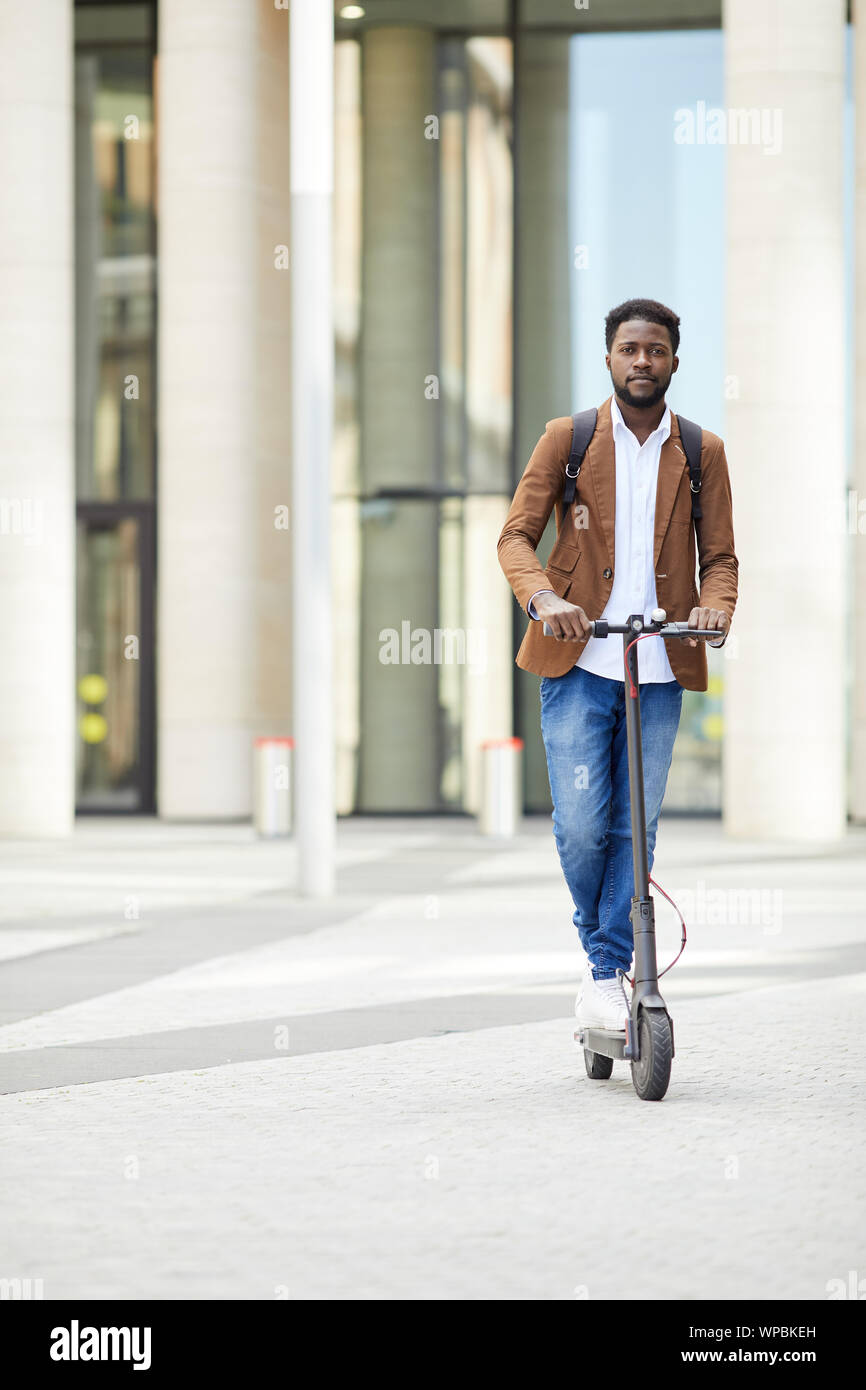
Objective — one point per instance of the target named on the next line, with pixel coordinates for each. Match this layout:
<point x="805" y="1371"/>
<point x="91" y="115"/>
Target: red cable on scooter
<point x="631" y="684"/>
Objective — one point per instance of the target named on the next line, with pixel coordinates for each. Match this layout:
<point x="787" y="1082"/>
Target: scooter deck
<point x="602" y="1040"/>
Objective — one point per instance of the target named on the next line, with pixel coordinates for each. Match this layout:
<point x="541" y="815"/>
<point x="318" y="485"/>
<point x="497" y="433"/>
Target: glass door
<point x="114" y="663"/>
<point x="115" y="284"/>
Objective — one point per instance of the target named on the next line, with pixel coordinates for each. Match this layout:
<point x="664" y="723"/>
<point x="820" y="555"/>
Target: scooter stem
<point x="635" y="768"/>
<point x="646" y="982"/>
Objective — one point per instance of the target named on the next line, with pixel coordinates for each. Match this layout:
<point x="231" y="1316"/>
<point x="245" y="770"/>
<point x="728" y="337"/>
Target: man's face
<point x="641" y="363"/>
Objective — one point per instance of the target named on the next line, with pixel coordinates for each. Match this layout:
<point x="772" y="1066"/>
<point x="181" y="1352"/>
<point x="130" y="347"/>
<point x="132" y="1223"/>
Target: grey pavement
<point x="213" y="1088"/>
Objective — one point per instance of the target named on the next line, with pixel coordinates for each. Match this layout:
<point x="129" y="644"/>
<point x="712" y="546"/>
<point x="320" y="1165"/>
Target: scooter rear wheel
<point x="598" y="1067"/>
<point x="652" y="1073"/>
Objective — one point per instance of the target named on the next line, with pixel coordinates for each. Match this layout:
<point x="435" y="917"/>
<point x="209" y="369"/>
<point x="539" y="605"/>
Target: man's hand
<point x="568" y="621"/>
<point x="708" y="618"/>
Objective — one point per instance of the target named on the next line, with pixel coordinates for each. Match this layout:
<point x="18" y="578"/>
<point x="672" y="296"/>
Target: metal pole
<point x="311" y="145"/>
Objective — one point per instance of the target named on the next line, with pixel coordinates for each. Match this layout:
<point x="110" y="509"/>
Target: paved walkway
<point x="212" y="1088"/>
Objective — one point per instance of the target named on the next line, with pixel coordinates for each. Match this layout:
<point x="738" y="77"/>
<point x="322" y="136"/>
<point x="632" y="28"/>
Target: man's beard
<point x="643" y="402"/>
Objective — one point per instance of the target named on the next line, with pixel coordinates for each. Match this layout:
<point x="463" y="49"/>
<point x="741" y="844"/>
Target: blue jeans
<point x="583" y="727"/>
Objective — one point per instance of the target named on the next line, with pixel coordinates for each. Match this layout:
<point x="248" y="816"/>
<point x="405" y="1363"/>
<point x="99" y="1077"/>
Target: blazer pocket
<point x="564" y="558"/>
<point x="560" y="582"/>
<point x="677" y="531"/>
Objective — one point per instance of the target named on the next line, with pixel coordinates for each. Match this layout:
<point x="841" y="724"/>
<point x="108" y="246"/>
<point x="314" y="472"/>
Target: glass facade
<point x="480" y="258"/>
<point x="110" y="633"/>
<point x="115" y="404"/>
<point x="424" y="368"/>
<point x="610" y="208"/>
<point x="495" y="195"/>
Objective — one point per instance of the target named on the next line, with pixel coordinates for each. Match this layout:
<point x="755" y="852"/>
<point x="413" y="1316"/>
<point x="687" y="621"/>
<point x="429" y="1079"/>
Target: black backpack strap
<point x="691" y="435"/>
<point x="582" y="429"/>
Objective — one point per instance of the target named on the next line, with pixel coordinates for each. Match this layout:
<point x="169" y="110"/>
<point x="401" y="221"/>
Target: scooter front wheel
<point x="652" y="1072"/>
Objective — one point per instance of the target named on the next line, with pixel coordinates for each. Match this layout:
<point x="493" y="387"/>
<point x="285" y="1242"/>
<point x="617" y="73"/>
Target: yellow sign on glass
<point x="93" y="689"/>
<point x="93" y="727"/>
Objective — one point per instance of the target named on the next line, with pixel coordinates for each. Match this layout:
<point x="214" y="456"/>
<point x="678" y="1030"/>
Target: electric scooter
<point x="648" y="1040"/>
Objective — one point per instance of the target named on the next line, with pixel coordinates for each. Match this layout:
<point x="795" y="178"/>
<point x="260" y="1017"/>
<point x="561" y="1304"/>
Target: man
<point x="626" y="545"/>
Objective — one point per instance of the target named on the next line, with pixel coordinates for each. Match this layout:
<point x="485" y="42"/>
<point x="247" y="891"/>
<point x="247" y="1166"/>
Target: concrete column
<point x="543" y="261"/>
<point x="784" y="751"/>
<point x="855" y="513"/>
<point x="37" y="478"/>
<point x="272" y="706"/>
<point x="345" y="511"/>
<point x="543" y="256"/>
<point x="223" y="559"/>
<point x="399" y="287"/>
<point x="398" y="753"/>
<point x="311" y="54"/>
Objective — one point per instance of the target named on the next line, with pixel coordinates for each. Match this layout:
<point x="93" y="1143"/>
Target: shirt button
<point x="607" y="574"/>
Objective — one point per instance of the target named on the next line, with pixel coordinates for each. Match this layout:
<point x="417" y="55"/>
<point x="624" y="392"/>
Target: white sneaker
<point x="600" y="1004"/>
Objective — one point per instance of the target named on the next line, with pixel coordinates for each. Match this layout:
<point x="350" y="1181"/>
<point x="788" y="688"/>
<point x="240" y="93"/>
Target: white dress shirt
<point x="634" y="580"/>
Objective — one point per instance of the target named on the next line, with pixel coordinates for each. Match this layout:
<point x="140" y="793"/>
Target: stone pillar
<point x="398" y="756"/>
<point x="543" y="261"/>
<point x="37" y="472"/>
<point x="784" y="751"/>
<point x="223" y="560"/>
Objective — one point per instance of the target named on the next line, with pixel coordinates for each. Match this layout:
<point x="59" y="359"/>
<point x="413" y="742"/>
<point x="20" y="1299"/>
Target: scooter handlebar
<point x="600" y="627"/>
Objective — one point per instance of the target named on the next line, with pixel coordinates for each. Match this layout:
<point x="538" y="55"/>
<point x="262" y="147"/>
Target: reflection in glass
<point x="108" y="665"/>
<point x="115" y="403"/>
<point x="456" y="651"/>
<point x="115" y="276"/>
<point x="422" y="452"/>
<point x="600" y="223"/>
<point x="475" y="279"/>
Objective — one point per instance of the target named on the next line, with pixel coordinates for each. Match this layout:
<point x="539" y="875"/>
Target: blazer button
<point x="607" y="574"/>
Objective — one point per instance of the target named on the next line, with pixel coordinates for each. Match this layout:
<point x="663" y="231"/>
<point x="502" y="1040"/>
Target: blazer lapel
<point x="601" y="457"/>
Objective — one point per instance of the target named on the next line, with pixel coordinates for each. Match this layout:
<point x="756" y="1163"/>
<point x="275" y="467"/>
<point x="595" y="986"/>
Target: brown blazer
<point x="581" y="562"/>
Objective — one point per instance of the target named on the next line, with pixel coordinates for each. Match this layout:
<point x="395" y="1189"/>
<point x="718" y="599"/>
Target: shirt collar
<point x="663" y="428"/>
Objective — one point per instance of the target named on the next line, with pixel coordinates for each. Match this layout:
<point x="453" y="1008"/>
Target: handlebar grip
<point x="598" y="627"/>
<point x="683" y="630"/>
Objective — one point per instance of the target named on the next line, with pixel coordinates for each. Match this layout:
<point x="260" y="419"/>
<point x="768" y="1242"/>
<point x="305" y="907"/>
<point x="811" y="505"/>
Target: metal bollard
<point x="501" y="786"/>
<point x="272" y="786"/>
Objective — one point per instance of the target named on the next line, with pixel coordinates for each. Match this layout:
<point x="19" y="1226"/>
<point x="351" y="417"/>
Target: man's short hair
<point x="647" y="309"/>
